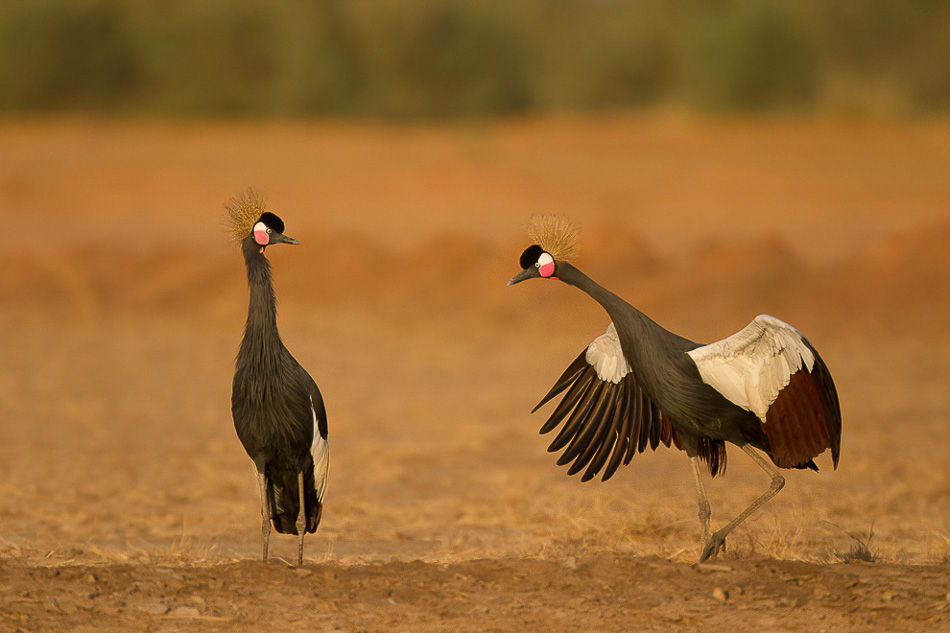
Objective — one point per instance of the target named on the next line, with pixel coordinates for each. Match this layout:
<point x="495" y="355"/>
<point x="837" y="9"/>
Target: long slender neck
<point x="627" y="318"/>
<point x="260" y="331"/>
<point x="615" y="306"/>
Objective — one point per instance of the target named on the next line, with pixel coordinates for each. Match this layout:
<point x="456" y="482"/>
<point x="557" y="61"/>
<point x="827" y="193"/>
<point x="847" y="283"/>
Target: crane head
<point x="248" y="218"/>
<point x="555" y="241"/>
<point x="535" y="262"/>
<point x="269" y="229"/>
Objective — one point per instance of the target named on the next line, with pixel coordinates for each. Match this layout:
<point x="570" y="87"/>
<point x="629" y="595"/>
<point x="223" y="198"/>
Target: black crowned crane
<point x="764" y="388"/>
<point x="277" y="409"/>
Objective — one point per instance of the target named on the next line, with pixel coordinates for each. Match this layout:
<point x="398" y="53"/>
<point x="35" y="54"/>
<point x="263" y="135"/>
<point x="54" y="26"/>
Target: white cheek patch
<point x="260" y="234"/>
<point x="546" y="265"/>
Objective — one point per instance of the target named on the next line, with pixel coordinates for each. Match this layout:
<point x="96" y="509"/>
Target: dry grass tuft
<point x="861" y="549"/>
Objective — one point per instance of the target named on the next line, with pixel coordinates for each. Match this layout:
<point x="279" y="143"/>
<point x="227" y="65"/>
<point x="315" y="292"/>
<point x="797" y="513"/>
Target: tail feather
<point x="285" y="500"/>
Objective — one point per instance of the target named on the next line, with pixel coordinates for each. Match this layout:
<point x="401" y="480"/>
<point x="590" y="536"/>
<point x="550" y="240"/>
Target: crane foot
<point x="715" y="544"/>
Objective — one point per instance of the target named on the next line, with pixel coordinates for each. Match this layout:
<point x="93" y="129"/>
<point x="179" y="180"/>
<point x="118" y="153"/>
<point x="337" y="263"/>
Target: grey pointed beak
<point x="283" y="239"/>
<point x="524" y="274"/>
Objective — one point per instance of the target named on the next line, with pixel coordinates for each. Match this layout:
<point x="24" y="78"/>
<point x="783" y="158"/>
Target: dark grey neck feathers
<point x="649" y="348"/>
<point x="622" y="313"/>
<point x="261" y="346"/>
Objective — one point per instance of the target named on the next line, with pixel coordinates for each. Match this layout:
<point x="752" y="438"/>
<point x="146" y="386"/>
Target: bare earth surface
<point x="127" y="503"/>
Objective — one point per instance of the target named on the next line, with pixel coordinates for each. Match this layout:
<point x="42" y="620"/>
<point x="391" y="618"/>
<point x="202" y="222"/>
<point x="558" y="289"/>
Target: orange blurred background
<point x="721" y="162"/>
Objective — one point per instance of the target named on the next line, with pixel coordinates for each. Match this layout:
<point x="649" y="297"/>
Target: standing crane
<point x="765" y="388"/>
<point x="277" y="408"/>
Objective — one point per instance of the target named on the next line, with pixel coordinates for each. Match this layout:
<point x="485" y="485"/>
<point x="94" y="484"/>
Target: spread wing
<point x="606" y="416"/>
<point x="772" y="370"/>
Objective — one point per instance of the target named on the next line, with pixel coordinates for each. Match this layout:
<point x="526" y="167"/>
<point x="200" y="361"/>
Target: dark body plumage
<point x="654" y="393"/>
<point x="278" y="411"/>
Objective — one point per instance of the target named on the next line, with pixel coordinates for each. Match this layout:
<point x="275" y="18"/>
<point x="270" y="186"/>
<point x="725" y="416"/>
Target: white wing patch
<point x="321" y="458"/>
<point x="606" y="356"/>
<point x="753" y="365"/>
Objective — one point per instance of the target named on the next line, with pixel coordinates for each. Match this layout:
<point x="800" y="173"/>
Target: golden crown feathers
<point x="556" y="235"/>
<point x="243" y="210"/>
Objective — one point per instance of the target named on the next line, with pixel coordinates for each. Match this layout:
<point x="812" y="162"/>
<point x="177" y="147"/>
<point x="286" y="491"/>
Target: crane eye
<point x="269" y="231"/>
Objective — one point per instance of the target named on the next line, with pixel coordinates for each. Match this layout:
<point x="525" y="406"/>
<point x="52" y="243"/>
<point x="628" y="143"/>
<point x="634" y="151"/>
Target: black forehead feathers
<point x="530" y="255"/>
<point x="271" y="221"/>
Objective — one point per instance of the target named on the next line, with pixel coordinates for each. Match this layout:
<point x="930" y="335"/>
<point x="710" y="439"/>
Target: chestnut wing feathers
<point x="805" y="419"/>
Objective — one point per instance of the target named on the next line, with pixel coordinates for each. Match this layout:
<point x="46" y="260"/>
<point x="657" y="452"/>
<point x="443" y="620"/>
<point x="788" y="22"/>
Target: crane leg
<point x="265" y="511"/>
<point x="718" y="539"/>
<point x="301" y="519"/>
<point x="704" y="510"/>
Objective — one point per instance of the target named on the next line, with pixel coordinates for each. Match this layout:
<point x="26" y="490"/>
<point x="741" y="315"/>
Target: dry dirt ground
<point x="127" y="503"/>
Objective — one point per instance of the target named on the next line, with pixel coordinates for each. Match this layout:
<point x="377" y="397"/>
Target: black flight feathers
<point x="606" y="424"/>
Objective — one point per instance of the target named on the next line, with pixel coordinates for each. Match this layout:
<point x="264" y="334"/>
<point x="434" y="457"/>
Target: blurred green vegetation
<point x="449" y="58"/>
